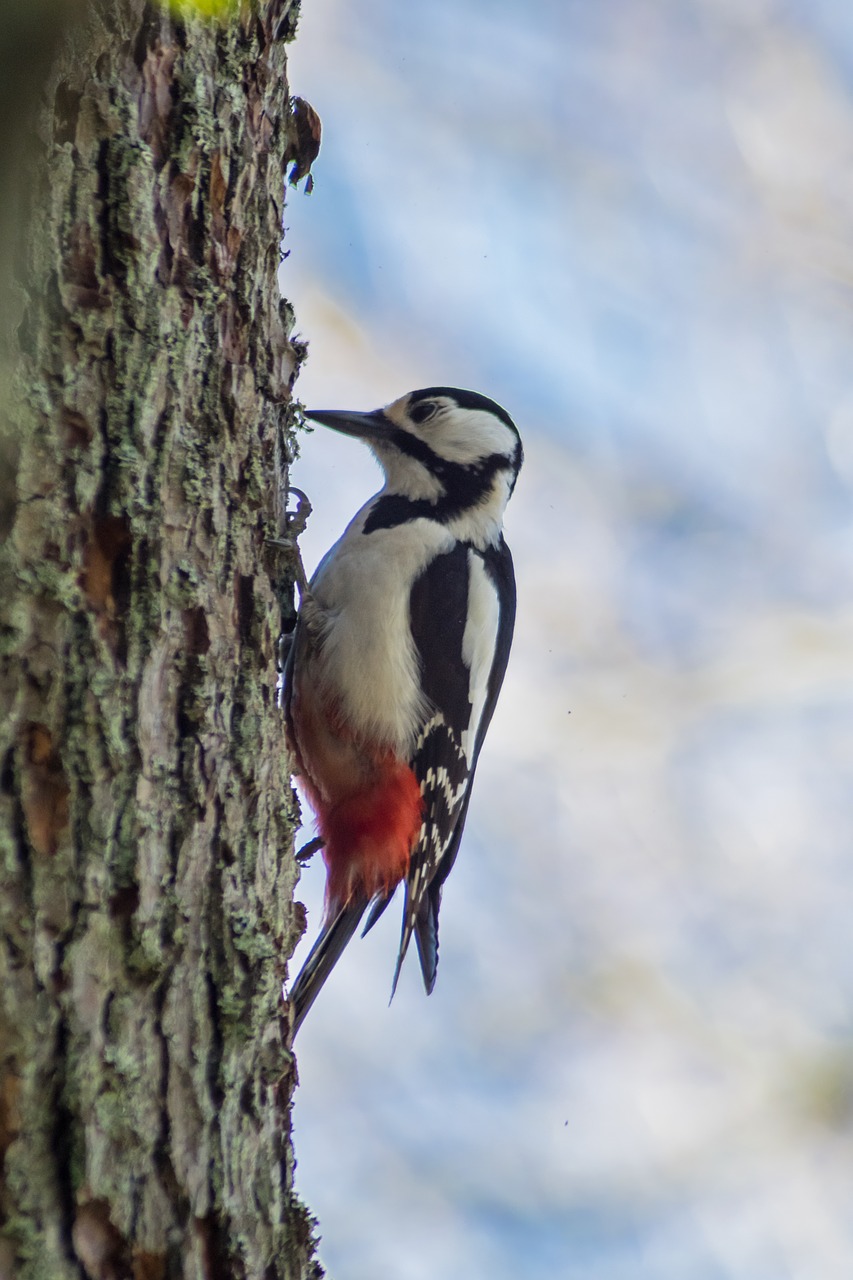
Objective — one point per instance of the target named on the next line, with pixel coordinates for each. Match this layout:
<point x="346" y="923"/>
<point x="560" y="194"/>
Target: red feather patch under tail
<point x="369" y="837"/>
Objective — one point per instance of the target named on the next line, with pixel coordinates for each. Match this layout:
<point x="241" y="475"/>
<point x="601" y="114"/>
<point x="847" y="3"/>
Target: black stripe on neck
<point x="452" y="474"/>
<point x="464" y="488"/>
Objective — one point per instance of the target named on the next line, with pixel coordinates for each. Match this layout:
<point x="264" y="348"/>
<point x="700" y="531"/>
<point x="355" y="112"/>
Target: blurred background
<point x="630" y="223"/>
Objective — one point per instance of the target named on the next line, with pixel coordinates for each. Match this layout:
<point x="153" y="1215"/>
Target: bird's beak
<point x="372" y="427"/>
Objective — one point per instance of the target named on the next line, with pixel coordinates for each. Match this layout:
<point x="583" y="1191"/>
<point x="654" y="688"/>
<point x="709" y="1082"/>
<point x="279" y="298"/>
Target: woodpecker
<point x="397" y="659"/>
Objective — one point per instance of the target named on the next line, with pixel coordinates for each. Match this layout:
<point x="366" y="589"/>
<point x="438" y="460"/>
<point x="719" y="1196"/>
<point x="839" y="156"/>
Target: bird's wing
<point x="462" y="616"/>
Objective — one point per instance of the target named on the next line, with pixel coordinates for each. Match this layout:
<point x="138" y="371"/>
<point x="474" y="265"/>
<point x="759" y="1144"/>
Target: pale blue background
<point x="630" y="223"/>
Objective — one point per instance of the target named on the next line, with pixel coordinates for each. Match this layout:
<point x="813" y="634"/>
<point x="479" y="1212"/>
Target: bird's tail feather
<point x="426" y="936"/>
<point x="420" y="919"/>
<point x="376" y="911"/>
<point x="323" y="957"/>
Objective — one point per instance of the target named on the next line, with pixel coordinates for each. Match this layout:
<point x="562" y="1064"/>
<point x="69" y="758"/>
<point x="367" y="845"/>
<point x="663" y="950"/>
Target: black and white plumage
<point x="397" y="661"/>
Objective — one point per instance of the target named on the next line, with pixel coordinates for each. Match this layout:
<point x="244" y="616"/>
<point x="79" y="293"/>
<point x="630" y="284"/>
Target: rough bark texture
<point x="146" y="873"/>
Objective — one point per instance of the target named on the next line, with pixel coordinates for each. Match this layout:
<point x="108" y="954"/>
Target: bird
<point x="398" y="655"/>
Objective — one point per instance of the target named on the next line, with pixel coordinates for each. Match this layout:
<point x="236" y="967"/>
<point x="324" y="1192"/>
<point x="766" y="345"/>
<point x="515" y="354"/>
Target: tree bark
<point x="146" y="811"/>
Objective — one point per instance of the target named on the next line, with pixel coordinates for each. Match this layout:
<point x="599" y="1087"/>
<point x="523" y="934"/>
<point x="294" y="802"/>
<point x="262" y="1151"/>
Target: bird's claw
<point x="291" y="526"/>
<point x="306" y="853"/>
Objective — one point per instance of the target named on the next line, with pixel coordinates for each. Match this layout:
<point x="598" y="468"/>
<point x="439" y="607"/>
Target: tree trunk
<point x="146" y="812"/>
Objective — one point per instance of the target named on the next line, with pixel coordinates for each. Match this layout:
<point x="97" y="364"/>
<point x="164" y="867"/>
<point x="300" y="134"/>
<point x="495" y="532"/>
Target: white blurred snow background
<point x="630" y="223"/>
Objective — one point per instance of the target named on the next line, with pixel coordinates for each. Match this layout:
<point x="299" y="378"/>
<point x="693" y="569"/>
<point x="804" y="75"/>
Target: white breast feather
<point x="478" y="643"/>
<point x="367" y="660"/>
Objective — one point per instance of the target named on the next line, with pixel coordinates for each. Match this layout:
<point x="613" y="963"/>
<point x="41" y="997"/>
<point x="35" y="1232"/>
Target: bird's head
<point x="455" y="449"/>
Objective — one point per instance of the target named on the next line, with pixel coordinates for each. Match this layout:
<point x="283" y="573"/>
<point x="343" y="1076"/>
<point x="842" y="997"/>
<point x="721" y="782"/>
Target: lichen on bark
<point x="146" y="812"/>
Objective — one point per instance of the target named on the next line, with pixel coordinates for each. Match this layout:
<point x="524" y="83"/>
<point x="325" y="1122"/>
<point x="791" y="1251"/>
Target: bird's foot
<point x="291" y="527"/>
<point x="306" y="853"/>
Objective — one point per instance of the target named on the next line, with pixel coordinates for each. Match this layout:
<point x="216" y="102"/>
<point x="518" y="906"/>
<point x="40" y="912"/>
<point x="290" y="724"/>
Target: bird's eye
<point x="423" y="411"/>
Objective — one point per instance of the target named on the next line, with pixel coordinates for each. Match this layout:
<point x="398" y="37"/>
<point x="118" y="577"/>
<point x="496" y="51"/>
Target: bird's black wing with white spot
<point x="462" y="615"/>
